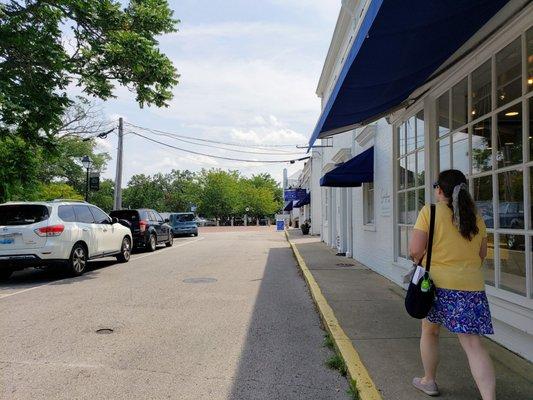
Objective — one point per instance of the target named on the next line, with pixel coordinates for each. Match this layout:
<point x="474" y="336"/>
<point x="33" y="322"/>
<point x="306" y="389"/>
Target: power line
<point x="261" y="147"/>
<point x="226" y="148"/>
<point x="292" y="161"/>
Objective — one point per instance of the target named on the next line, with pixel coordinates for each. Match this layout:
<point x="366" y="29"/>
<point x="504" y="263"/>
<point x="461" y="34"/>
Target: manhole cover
<point x="344" y="265"/>
<point x="104" y="331"/>
<point x="199" y="280"/>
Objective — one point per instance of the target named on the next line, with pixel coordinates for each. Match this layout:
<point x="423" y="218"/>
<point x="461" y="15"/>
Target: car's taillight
<point x="52" y="230"/>
<point x="142" y="225"/>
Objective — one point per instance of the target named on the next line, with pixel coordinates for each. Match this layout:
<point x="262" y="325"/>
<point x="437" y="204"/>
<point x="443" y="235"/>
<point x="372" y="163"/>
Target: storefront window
<point x="420" y="168"/>
<point x="443" y="114"/>
<point x="420" y="130"/>
<point x="488" y="264"/>
<point x="481" y="90"/>
<point x="482" y="146"/>
<point x="460" y="152"/>
<point x="511" y="200"/>
<point x="460" y="104"/>
<point x="510" y="136"/>
<point x="411" y="170"/>
<point x="529" y="59"/>
<point x="444" y="154"/>
<point x="509" y="73"/>
<point x="482" y="194"/>
<point x="411" y="134"/>
<point x="512" y="263"/>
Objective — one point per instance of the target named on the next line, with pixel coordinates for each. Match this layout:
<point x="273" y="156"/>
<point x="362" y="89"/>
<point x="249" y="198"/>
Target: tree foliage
<point x="48" y="45"/>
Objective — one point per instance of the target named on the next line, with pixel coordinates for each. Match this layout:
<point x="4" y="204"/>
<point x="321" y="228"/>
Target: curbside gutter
<point x="357" y="372"/>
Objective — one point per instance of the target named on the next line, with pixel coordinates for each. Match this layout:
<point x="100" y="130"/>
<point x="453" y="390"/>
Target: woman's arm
<point x="417" y="247"/>
<point x="483" y="249"/>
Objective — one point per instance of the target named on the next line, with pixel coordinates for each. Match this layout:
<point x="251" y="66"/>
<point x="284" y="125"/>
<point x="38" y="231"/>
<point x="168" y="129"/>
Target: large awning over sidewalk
<point x="352" y="173"/>
<point x="398" y="47"/>
<point x="305" y="201"/>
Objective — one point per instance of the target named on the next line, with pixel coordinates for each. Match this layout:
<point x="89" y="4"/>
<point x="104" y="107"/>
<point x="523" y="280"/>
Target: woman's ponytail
<point x="453" y="184"/>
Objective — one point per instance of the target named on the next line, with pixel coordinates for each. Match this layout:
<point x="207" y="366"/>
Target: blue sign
<point x="280" y="225"/>
<point x="295" y="194"/>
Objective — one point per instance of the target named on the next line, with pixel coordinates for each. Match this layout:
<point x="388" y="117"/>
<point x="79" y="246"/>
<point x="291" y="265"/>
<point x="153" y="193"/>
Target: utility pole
<point x="118" y="177"/>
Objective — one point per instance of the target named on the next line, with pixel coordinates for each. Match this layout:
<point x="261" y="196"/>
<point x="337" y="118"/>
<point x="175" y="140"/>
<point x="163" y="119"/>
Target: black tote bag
<point x="418" y="302"/>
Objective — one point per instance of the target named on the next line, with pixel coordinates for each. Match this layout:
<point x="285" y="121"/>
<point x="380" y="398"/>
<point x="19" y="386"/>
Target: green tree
<point x="104" y="197"/>
<point x="219" y="195"/>
<point x="106" y="45"/>
<point x="56" y="190"/>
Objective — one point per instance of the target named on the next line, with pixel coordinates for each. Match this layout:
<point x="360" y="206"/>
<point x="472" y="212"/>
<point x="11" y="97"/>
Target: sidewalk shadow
<point x="283" y="357"/>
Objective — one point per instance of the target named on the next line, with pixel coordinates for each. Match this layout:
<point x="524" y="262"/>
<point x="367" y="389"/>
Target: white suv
<point x="35" y="234"/>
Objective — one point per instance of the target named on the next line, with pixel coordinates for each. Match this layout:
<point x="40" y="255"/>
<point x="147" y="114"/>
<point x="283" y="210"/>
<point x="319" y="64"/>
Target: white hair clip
<point x="455" y="202"/>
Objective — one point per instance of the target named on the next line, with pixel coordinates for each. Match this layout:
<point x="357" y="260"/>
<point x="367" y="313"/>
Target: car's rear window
<point x="183" y="217"/>
<point x="128" y="215"/>
<point x="23" y="214"/>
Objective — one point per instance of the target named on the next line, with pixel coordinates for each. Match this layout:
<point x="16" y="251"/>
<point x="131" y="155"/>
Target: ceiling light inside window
<point x="511" y="113"/>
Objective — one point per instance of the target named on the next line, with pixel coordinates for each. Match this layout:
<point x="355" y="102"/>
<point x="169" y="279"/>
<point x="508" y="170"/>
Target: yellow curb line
<point x="356" y="369"/>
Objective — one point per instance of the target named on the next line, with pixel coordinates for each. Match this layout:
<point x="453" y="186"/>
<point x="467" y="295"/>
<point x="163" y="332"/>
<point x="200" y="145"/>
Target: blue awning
<point x="289" y="206"/>
<point x="353" y="172"/>
<point x="305" y="201"/>
<point x="398" y="47"/>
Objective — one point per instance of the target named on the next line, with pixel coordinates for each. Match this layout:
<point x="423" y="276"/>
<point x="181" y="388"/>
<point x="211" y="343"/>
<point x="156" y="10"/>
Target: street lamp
<point x="87" y="162"/>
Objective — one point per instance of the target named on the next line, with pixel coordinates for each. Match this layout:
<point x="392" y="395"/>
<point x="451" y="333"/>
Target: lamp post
<point x="87" y="162"/>
<point x="246" y="216"/>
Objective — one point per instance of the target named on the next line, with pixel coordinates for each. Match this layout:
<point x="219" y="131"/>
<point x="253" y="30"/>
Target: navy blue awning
<point x="289" y="206"/>
<point x="398" y="47"/>
<point x="353" y="172"/>
<point x="305" y="201"/>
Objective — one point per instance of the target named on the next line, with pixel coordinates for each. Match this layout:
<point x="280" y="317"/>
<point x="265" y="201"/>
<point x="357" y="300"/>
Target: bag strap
<point x="430" y="239"/>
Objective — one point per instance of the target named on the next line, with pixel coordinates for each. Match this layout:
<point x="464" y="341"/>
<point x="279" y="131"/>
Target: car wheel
<point x="5" y="274"/>
<point x="125" y="250"/>
<point x="78" y="260"/>
<point x="170" y="241"/>
<point x="195" y="234"/>
<point x="152" y="242"/>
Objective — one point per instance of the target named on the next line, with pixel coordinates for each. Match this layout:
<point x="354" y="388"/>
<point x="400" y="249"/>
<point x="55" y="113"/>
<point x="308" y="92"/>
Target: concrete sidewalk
<point x="370" y="309"/>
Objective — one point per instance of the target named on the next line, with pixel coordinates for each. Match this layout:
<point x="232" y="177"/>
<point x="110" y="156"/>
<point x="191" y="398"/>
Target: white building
<point x="472" y="110"/>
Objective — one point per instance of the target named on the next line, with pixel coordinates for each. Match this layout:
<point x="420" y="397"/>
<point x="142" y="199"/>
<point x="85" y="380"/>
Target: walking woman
<point x="461" y="306"/>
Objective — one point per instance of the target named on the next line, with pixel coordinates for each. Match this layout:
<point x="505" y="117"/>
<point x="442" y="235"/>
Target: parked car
<point x="68" y="233"/>
<point x="184" y="224"/>
<point x="200" y="221"/>
<point x="148" y="228"/>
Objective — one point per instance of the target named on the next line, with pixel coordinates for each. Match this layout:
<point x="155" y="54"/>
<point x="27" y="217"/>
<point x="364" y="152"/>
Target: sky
<point x="249" y="72"/>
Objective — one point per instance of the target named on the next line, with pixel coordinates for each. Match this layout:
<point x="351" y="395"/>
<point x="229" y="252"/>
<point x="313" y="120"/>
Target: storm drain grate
<point x="346" y="265"/>
<point x="105" y="331"/>
<point x="200" y="280"/>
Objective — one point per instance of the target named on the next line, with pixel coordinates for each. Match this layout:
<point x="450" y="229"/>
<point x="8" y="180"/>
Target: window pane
<point x="460" y="104"/>
<point x="420" y="129"/>
<point x="483" y="198"/>
<point x="531" y="200"/>
<point x="531" y="128"/>
<point x="509" y="73"/>
<point x="412" y="210"/>
<point x="529" y="45"/>
<point x="401" y="172"/>
<point x="420" y="168"/>
<point x="411" y="170"/>
<point x="512" y="264"/>
<point x="482" y="146"/>
<point x="402" y="217"/>
<point x="421" y="196"/>
<point x="401" y="140"/>
<point x="488" y="264"/>
<point x="460" y="152"/>
<point x="511" y="195"/>
<point x="444" y="154"/>
<point x="481" y="90"/>
<point x="403" y="241"/>
<point x="510" y="136"/>
<point x="443" y="113"/>
<point x="410" y="130"/>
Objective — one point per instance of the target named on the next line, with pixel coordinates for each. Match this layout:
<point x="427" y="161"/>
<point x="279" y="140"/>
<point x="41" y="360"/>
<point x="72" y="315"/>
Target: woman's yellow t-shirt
<point x="455" y="261"/>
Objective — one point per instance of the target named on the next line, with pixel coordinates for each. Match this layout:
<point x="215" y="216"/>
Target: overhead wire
<point x="292" y="161"/>
<point x="262" y="147"/>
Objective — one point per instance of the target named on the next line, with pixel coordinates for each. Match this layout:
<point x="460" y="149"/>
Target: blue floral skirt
<point x="462" y="311"/>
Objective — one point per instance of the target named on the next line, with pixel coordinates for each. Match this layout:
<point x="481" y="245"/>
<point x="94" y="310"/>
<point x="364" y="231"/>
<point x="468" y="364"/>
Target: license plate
<point x="6" y="239"/>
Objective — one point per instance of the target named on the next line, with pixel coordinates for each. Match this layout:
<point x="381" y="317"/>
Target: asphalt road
<point x="247" y="329"/>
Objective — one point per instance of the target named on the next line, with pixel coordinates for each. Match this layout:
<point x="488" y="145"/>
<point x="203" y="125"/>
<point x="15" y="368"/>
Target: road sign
<point x="94" y="182"/>
<point x="280" y="224"/>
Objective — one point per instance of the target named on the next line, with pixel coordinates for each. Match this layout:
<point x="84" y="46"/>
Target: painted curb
<point x="356" y="370"/>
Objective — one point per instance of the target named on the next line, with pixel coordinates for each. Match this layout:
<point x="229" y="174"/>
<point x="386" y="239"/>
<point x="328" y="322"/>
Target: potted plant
<point x="305" y="227"/>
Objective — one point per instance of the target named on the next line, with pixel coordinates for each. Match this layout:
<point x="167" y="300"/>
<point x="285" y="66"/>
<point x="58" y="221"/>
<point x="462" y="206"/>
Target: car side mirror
<point x="167" y="220"/>
<point x="114" y="220"/>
